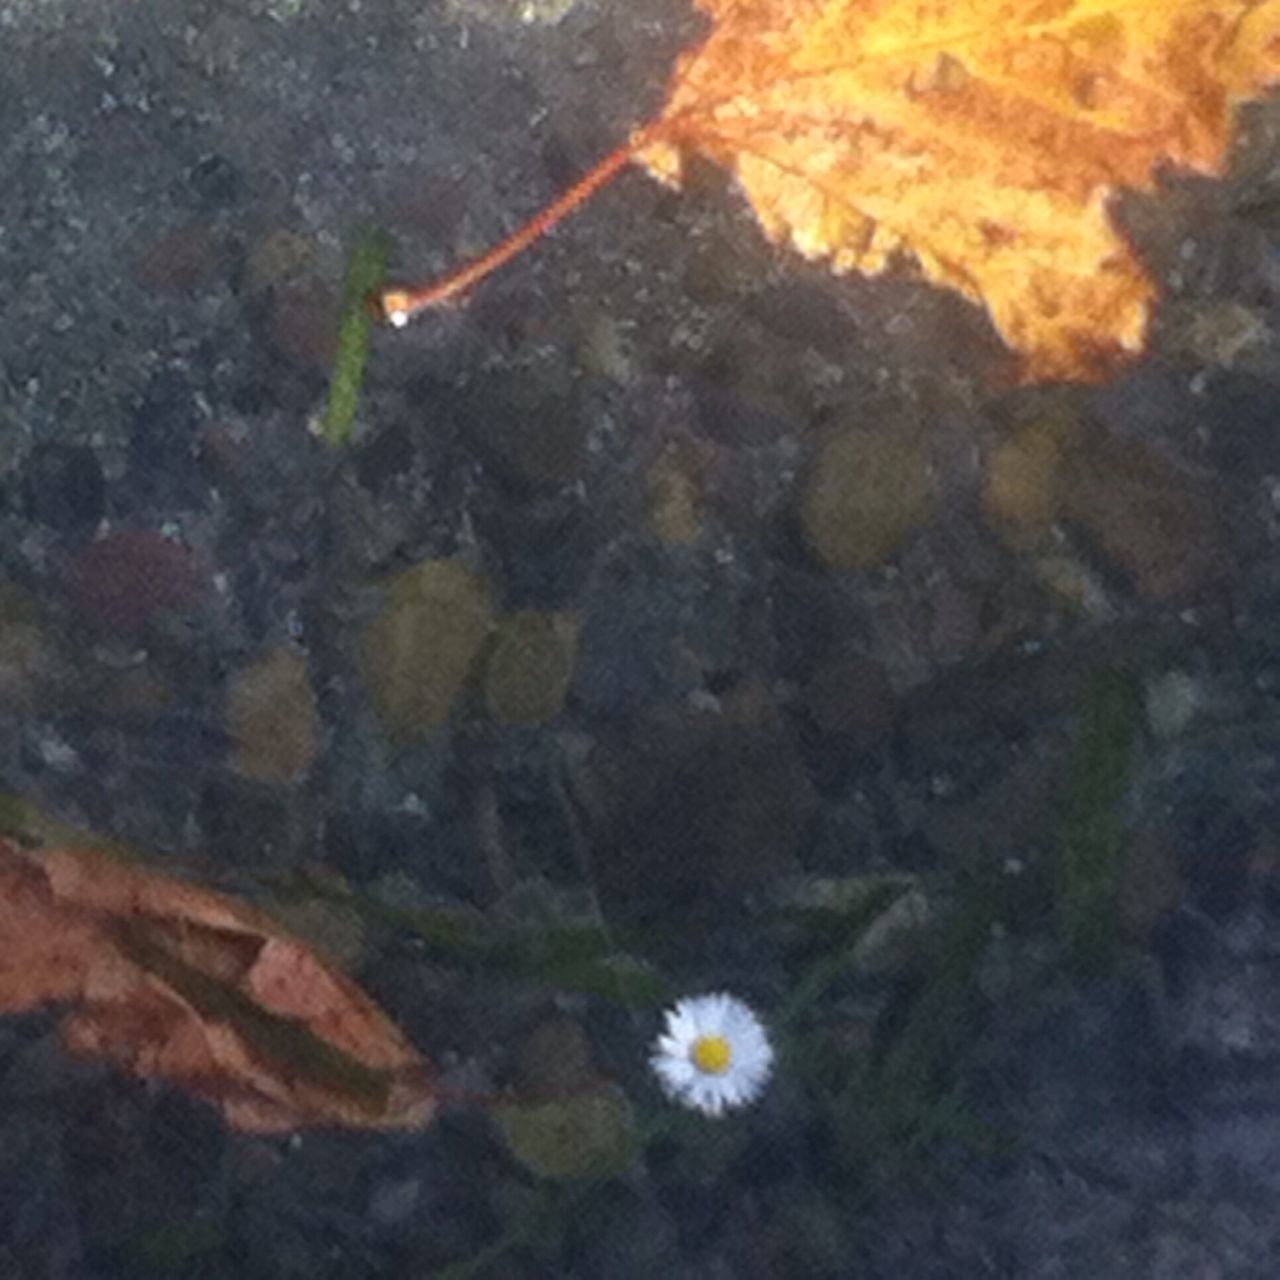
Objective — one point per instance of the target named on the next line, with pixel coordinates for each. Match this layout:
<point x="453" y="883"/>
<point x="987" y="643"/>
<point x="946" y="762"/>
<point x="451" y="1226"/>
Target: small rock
<point x="386" y="456"/>
<point x="1020" y="497"/>
<point x="511" y="13"/>
<point x="304" y="324"/>
<point x="121" y="582"/>
<point x="864" y="495"/>
<point x="1173" y="700"/>
<point x="214" y="182"/>
<point x="531" y="666"/>
<point x="1157" y="525"/>
<point x="533" y="435"/>
<point x="184" y="259"/>
<point x="395" y="1200"/>
<point x="850" y="693"/>
<point x="1222" y="333"/>
<point x="555" y="1060"/>
<point x="675" y="497"/>
<point x="223" y="450"/>
<point x="163" y="435"/>
<point x="807" y="315"/>
<point x="750" y="802"/>
<point x="603" y="348"/>
<point x="133" y="690"/>
<point x="705" y="808"/>
<point x="417" y="653"/>
<point x="271" y="709"/>
<point x="282" y="257"/>
<point x="63" y="488"/>
<point x="631" y="633"/>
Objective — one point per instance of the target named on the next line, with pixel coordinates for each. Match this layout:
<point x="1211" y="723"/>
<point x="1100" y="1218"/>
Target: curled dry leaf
<point x="983" y="139"/>
<point x="166" y="979"/>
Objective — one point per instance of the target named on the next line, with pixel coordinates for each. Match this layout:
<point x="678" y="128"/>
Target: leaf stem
<point x="398" y="304"/>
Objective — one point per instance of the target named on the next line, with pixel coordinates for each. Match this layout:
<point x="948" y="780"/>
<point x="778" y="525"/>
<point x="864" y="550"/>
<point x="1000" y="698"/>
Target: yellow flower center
<point x="711" y="1055"/>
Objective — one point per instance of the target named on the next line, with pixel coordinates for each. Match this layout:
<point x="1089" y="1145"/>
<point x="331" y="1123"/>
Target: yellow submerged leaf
<point x="984" y="139"/>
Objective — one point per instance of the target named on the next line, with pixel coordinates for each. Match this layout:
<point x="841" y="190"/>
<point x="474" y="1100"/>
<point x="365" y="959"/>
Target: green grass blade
<point x="366" y="268"/>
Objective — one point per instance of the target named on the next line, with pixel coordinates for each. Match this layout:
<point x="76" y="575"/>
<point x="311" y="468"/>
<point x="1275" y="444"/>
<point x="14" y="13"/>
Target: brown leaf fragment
<point x="271" y="712"/>
<point x="169" y="980"/>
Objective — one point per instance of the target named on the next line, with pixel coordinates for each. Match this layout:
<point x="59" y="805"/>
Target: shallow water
<point x="679" y="619"/>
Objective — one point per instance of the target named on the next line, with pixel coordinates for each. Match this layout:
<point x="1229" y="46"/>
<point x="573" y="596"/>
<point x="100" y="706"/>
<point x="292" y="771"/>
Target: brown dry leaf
<point x="983" y="138"/>
<point x="164" y="978"/>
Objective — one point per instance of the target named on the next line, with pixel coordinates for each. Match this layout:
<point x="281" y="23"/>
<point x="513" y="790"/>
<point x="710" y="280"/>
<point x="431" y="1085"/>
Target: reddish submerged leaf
<point x="166" y="979"/>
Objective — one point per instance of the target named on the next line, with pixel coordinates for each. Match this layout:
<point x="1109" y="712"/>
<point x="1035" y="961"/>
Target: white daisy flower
<point x="713" y="1054"/>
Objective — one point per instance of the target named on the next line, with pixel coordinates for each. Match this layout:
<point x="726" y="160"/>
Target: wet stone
<point x="271" y="709"/>
<point x="530" y="666"/>
<point x="733" y="420"/>
<point x="674" y="485"/>
<point x="850" y="693"/>
<point x="582" y="1135"/>
<point x="1157" y="525"/>
<point x="805" y="621"/>
<point x="131" y="1177"/>
<point x="547" y="548"/>
<point x="163" y="438"/>
<point x="126" y="580"/>
<point x="416" y="655"/>
<point x="864" y="495"/>
<point x="533" y="439"/>
<point x="281" y="257"/>
<point x="63" y="488"/>
<point x="439" y="849"/>
<point x="214" y="183"/>
<point x="556" y="1059"/>
<point x="184" y="259"/>
<point x="1021" y="497"/>
<point x="707" y="811"/>
<point x="303" y="324"/>
<point x="807" y="315"/>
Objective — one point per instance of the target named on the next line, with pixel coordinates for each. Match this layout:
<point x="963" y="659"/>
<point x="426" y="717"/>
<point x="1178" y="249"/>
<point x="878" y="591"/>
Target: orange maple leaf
<point x="984" y="139"/>
<point x="166" y="979"/>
